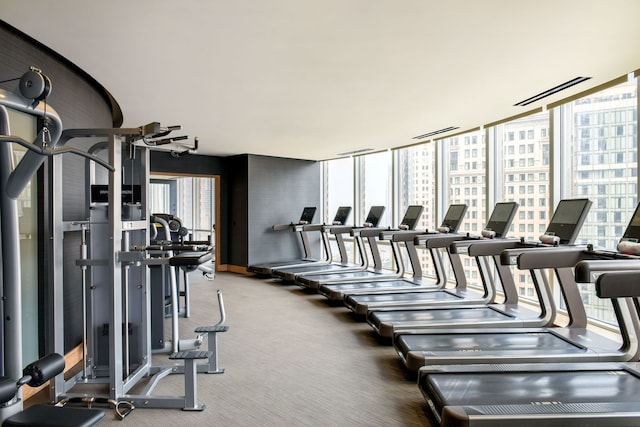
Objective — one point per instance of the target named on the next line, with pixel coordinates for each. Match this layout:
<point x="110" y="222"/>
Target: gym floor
<point x="290" y="359"/>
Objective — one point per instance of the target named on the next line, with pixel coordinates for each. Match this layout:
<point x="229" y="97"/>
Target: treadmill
<point x="574" y="342"/>
<point x="336" y="291"/>
<point x="377" y="272"/>
<point x="562" y="230"/>
<point x="497" y="228"/>
<point x="542" y="394"/>
<point x="289" y="274"/>
<point x="302" y="227"/>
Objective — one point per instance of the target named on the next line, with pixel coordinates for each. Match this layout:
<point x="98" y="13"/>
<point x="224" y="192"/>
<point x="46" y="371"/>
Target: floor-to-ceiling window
<point x="598" y="134"/>
<point x="463" y="181"/>
<point x="523" y="163"/>
<point x="585" y="146"/>
<point x="416" y="186"/>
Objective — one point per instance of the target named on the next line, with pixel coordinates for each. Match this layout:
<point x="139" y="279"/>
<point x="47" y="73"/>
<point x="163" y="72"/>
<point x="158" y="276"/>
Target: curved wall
<point x="81" y="103"/>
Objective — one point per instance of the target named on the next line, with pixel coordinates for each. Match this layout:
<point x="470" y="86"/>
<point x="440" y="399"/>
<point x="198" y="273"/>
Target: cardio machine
<point x="338" y="290"/>
<point x="562" y="230"/>
<point x="397" y="299"/>
<point x="339" y="229"/>
<point x="302" y="227"/>
<point x="305" y="278"/>
<point x="573" y="342"/>
<point x="540" y="394"/>
<point x="377" y="272"/>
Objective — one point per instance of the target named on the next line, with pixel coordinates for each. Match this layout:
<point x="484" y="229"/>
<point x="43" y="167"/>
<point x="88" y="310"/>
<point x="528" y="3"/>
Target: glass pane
<point x="203" y="192"/>
<point x="465" y="156"/>
<point x="416" y="182"/>
<point x="601" y="133"/>
<point x="526" y="162"/>
<point x="338" y="188"/>
<point x="375" y="186"/>
<point x="375" y="189"/>
<point x="416" y="186"/>
<point x="159" y="197"/>
<point x="24" y="125"/>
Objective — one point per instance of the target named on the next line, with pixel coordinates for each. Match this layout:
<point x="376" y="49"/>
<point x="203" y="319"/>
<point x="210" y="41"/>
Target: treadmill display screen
<point x="342" y="214"/>
<point x="501" y="218"/>
<point x="307" y="215"/>
<point x="632" y="233"/>
<point x="375" y="214"/>
<point x="567" y="219"/>
<point x="411" y="216"/>
<point x="453" y="217"/>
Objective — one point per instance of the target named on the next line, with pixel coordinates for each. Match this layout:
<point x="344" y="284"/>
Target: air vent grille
<point x="351" y="153"/>
<point x="435" y="132"/>
<point x="551" y="91"/>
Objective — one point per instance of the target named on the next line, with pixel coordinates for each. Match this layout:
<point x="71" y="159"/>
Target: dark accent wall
<point x="81" y="103"/>
<point x="256" y="192"/>
<point x="278" y="190"/>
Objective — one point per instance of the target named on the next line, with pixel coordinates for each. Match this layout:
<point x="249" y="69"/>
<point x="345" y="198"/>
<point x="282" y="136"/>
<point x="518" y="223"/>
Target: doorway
<point x="192" y="198"/>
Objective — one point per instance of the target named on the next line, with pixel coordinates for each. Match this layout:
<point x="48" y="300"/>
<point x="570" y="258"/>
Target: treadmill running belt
<point x="447" y="315"/>
<point x="531" y="388"/>
<point x="478" y="343"/>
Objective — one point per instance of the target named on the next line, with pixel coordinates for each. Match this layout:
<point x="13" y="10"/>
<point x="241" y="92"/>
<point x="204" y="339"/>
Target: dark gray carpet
<point x="290" y="360"/>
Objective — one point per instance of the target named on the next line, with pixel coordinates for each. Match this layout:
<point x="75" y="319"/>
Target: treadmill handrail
<point x="312" y="227"/>
<point x="585" y="269"/>
<point x="556" y="258"/>
<point x="338" y="229"/>
<point x="400" y="235"/>
<point x="443" y="241"/>
<point x="367" y="232"/>
<point x="618" y="284"/>
<point x="489" y="247"/>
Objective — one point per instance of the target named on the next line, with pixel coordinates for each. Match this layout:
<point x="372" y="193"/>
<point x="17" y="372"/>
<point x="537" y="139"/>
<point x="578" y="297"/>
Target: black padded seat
<point x="190" y="258"/>
<point x="54" y="416"/>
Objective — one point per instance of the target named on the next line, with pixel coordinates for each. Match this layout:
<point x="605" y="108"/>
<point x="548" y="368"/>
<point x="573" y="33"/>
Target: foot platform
<point x="190" y="376"/>
<point x="212" y="340"/>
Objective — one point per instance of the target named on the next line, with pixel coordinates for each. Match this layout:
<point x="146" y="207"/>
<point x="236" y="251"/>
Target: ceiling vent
<point x="351" y="153"/>
<point x="551" y="91"/>
<point x="435" y="132"/>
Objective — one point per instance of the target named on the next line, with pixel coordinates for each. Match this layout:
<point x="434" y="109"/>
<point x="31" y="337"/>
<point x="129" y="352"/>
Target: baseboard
<point x="71" y="359"/>
<point x="236" y="269"/>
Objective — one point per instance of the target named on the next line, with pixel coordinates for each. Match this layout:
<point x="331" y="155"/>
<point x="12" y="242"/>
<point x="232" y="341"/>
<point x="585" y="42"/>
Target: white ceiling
<point x="310" y="79"/>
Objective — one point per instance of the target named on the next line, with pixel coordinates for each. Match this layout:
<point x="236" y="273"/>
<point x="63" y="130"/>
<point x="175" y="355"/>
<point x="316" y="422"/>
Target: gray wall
<point x="278" y="190"/>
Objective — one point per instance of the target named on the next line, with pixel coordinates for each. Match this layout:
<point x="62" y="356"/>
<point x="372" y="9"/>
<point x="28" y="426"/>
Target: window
<point x="24" y="125"/>
<point x="597" y="172"/>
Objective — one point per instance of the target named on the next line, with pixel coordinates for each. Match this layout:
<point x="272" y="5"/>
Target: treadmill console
<point x="375" y="214"/>
<point x="629" y="244"/>
<point x="307" y="215"/>
<point x="630" y="241"/>
<point x="453" y="218"/>
<point x="501" y="218"/>
<point x="342" y="215"/>
<point x="411" y="217"/>
<point x="566" y="222"/>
